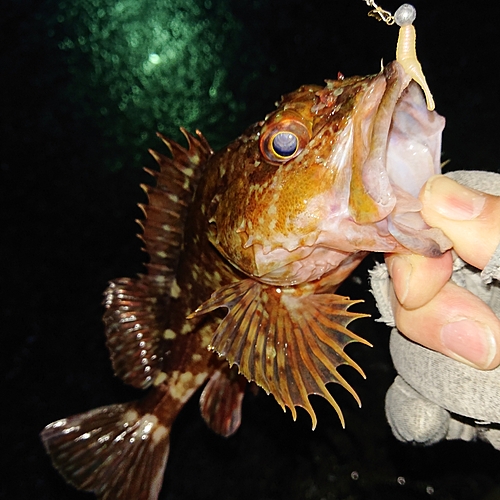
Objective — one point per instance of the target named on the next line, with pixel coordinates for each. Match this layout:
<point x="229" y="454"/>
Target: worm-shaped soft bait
<point x="406" y="53"/>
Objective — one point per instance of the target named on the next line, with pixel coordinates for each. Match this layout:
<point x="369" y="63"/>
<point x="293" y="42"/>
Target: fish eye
<point x="283" y="137"/>
<point x="285" y="144"/>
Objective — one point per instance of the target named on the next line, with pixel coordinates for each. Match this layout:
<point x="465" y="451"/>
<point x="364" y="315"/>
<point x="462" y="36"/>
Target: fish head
<point x="325" y="178"/>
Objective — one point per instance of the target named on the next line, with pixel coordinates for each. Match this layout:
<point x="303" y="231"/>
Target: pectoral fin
<point x="289" y="340"/>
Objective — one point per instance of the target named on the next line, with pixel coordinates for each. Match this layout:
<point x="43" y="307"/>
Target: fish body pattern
<point x="267" y="228"/>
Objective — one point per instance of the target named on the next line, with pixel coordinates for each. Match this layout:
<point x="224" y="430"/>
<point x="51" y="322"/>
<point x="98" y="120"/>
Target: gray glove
<point x="434" y="397"/>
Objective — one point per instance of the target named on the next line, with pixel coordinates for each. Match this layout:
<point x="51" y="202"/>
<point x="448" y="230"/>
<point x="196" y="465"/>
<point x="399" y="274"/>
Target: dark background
<point x="80" y="105"/>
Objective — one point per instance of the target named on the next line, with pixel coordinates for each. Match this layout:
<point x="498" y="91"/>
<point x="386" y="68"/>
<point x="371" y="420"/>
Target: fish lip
<point x="394" y="72"/>
<point x="375" y="180"/>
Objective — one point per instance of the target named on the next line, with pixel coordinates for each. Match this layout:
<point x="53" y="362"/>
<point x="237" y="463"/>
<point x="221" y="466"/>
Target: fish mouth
<point x="372" y="197"/>
<point x="409" y="137"/>
<point x="404" y="134"/>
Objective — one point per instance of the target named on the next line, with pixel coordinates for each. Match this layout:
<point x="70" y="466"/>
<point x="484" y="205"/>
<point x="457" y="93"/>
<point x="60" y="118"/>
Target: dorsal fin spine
<point x="137" y="309"/>
<point x="165" y="212"/>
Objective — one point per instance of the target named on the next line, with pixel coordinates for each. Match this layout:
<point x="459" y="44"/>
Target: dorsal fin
<point x="163" y="227"/>
<point x="137" y="309"/>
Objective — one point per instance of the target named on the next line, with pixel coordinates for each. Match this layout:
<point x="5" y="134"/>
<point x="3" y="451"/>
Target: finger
<point x="470" y="218"/>
<point x="417" y="279"/>
<point x="456" y="323"/>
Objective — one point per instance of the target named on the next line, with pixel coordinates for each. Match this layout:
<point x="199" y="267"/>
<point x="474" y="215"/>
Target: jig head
<point x="406" y="53"/>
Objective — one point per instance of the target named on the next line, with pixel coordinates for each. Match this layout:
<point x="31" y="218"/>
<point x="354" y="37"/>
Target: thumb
<point x="470" y="218"/>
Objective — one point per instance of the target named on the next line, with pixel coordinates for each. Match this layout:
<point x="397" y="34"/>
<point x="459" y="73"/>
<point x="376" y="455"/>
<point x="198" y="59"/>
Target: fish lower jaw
<point x="331" y="248"/>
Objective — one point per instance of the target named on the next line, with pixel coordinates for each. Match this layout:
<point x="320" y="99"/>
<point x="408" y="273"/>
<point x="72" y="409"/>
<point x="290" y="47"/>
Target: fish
<point x="247" y="247"/>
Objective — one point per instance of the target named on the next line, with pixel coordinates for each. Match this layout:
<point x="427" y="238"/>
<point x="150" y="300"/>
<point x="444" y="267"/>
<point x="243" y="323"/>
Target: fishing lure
<point x="406" y="53"/>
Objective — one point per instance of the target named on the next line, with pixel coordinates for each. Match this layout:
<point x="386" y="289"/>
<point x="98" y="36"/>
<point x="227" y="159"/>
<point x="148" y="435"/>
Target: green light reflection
<point x="142" y="66"/>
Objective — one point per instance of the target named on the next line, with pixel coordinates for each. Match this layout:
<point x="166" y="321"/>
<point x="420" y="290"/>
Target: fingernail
<point x="470" y="341"/>
<point x="451" y="199"/>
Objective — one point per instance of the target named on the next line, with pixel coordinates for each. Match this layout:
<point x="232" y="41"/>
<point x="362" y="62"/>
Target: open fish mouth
<point x="405" y="145"/>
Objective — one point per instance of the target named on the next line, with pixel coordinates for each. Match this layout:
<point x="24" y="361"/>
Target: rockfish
<point x="266" y="229"/>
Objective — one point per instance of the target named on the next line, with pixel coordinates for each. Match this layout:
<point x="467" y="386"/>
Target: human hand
<point x="429" y="308"/>
<point x="434" y="396"/>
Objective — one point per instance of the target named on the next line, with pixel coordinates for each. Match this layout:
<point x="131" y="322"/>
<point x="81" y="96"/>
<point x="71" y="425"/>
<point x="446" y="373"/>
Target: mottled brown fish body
<point x="267" y="229"/>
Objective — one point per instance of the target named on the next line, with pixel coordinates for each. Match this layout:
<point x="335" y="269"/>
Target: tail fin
<point x="116" y="451"/>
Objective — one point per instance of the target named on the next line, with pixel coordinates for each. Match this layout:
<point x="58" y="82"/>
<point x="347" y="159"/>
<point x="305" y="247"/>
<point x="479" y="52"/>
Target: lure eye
<point x="283" y="137"/>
